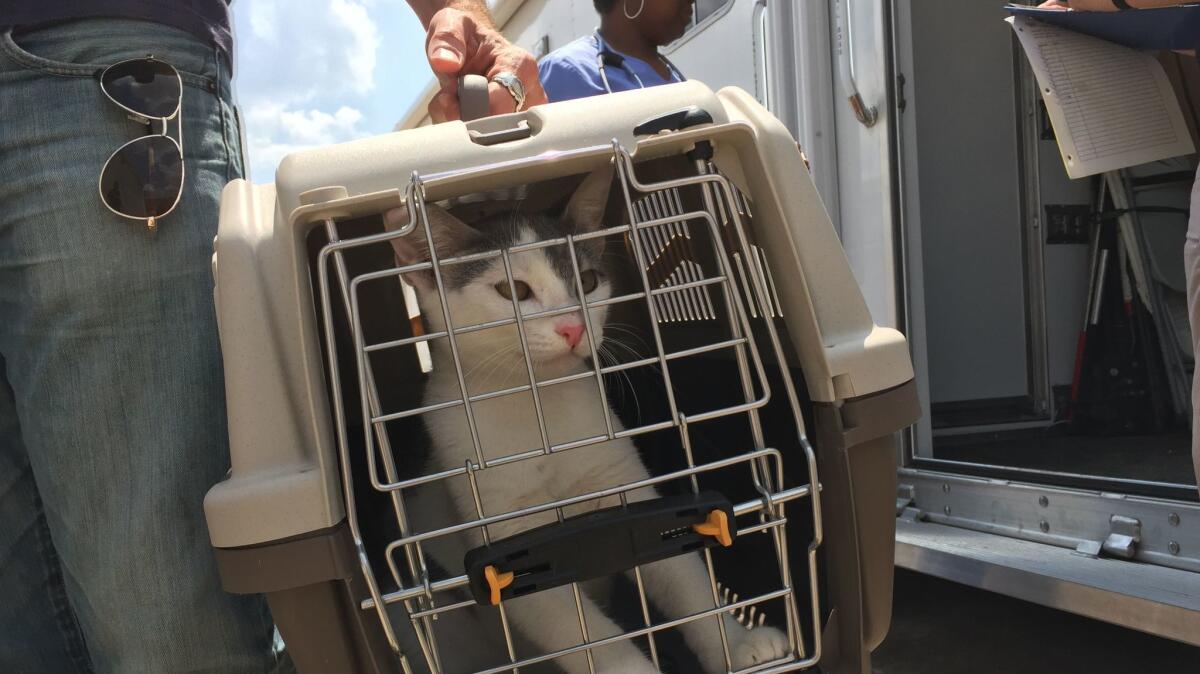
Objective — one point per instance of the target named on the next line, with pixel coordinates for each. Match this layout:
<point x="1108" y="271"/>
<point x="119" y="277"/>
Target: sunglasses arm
<point x="179" y="122"/>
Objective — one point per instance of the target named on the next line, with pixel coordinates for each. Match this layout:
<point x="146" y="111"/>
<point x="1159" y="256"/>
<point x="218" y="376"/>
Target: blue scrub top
<point x="572" y="71"/>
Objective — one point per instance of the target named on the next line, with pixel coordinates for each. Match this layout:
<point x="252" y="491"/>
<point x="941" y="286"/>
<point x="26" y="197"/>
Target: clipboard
<point x="1160" y="28"/>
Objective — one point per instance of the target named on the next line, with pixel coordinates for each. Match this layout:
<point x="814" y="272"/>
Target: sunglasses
<point x="143" y="179"/>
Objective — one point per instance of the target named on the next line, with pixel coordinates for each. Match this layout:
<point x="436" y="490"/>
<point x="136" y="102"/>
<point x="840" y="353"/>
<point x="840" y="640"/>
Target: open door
<point x="1049" y="337"/>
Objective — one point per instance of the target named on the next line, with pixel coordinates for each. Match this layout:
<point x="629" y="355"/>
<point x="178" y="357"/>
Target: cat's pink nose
<point x="572" y="332"/>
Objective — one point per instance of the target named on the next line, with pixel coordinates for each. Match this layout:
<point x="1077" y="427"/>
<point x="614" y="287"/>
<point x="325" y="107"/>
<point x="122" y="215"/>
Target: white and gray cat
<point x="491" y="360"/>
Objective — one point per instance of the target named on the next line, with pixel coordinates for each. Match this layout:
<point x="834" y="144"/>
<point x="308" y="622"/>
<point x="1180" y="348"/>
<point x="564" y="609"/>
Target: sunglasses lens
<point x="146" y="86"/>
<point x="143" y="179"/>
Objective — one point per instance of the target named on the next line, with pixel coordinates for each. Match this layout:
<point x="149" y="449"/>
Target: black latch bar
<point x="598" y="544"/>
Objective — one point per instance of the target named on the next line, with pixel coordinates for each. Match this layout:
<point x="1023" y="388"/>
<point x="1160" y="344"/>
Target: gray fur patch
<point x="504" y="231"/>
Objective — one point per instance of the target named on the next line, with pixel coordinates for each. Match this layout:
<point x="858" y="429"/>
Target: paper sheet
<point x="1111" y="106"/>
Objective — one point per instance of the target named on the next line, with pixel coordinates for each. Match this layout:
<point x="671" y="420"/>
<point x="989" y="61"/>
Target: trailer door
<point x="1053" y="459"/>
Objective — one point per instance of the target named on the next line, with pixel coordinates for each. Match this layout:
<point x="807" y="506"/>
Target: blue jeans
<point x="112" y="417"/>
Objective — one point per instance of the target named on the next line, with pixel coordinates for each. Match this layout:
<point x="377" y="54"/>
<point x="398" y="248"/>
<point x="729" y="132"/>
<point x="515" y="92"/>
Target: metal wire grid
<point x="770" y="306"/>
<point x="723" y="210"/>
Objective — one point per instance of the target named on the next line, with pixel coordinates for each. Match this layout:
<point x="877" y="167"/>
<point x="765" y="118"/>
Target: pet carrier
<point x="649" y="500"/>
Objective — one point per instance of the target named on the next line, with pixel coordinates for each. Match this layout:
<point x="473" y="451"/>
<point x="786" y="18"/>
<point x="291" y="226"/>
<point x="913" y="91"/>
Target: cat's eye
<point x="590" y="280"/>
<point x="523" y="290"/>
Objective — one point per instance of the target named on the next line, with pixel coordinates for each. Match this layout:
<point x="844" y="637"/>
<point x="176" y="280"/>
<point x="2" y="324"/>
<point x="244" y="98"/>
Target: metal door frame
<point x="1047" y="537"/>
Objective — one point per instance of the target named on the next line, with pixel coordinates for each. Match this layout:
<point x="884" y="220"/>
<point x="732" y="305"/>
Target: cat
<point x="543" y="279"/>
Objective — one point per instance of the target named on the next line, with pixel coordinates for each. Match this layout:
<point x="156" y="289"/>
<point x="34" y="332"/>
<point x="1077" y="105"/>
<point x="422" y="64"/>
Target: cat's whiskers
<point x="604" y="351"/>
<point x="498" y="367"/>
<point x="489" y="361"/>
<point x="486" y="360"/>
<point x="636" y="355"/>
<point x="606" y="358"/>
<point x="628" y="329"/>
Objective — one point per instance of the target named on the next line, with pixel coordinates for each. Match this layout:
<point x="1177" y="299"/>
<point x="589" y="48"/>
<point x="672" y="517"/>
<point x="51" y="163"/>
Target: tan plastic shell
<point x="284" y="479"/>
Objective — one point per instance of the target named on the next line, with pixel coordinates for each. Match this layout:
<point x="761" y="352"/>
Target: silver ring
<point x="516" y="89"/>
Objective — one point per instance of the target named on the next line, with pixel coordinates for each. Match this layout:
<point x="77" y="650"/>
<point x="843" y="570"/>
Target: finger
<point x="531" y="78"/>
<point x="444" y="107"/>
<point x="395" y="218"/>
<point x="500" y="100"/>
<point x="447" y="43"/>
<point x="515" y="60"/>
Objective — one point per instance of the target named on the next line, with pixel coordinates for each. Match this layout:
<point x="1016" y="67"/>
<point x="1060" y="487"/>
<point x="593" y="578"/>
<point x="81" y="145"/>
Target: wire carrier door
<point x="682" y="298"/>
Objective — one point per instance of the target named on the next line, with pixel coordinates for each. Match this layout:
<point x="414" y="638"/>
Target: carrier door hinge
<point x="1124" y="535"/>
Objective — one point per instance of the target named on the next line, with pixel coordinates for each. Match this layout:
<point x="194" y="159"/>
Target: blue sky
<point x="314" y="72"/>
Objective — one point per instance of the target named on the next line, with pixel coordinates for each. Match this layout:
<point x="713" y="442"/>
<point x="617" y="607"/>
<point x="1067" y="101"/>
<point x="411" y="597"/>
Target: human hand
<point x="458" y="44"/>
<point x="1080" y="5"/>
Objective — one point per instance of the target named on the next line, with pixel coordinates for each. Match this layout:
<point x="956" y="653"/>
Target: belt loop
<point x="217" y="63"/>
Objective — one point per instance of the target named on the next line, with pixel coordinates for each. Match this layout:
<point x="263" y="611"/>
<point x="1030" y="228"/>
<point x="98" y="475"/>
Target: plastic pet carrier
<point x="585" y="388"/>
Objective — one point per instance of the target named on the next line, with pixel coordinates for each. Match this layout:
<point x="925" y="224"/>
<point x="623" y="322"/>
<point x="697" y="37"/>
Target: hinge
<point x="905" y="494"/>
<point x="1124" y="535"/>
<point x="906" y="509"/>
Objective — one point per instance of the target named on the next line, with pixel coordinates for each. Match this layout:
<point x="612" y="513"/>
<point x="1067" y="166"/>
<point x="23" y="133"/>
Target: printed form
<point x="1111" y="106"/>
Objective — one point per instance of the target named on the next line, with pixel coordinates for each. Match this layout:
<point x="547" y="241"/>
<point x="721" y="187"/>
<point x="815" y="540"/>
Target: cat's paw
<point x="754" y="647"/>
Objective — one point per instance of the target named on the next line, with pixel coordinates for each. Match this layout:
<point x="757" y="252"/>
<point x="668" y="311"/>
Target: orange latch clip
<point x="498" y="581"/>
<point x="717" y="526"/>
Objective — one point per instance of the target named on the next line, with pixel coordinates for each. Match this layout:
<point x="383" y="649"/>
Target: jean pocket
<point x="235" y="140"/>
<point x="31" y="61"/>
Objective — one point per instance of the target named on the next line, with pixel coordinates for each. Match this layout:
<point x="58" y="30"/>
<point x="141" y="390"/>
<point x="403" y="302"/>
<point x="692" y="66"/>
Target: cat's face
<point x="543" y="280"/>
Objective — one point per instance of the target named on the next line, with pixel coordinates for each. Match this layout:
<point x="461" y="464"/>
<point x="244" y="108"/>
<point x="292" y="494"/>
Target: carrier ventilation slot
<point x="741" y="206"/>
<point x="672" y="262"/>
<point x="773" y="309"/>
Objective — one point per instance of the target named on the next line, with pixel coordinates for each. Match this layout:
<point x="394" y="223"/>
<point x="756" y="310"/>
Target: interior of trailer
<point x="1053" y="311"/>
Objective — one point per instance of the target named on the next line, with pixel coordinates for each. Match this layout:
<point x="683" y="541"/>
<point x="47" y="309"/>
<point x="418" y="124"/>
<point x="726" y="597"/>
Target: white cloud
<point x="275" y="131"/>
<point x="306" y="127"/>
<point x="300" y="66"/>
<point x="293" y="52"/>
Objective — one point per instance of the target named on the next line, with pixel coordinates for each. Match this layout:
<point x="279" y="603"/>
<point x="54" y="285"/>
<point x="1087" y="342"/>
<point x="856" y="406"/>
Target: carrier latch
<point x="717" y="526"/>
<point x="598" y="544"/>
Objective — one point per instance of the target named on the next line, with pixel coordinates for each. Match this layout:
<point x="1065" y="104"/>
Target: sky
<point x="315" y="72"/>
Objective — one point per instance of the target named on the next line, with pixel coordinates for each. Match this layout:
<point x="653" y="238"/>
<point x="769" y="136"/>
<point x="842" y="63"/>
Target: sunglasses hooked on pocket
<point x="143" y="179"/>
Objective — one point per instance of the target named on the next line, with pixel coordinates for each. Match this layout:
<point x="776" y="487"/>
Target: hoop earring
<point x="625" y="8"/>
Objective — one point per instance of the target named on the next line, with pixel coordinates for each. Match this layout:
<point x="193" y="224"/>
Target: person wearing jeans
<point x="112" y="418"/>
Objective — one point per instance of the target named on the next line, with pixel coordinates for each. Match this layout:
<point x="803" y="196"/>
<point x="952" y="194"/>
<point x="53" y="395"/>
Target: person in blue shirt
<point x="622" y="54"/>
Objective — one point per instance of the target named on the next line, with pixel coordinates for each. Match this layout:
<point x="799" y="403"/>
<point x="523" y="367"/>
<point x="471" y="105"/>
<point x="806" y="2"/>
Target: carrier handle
<point x="473" y="97"/>
<point x="599" y="543"/>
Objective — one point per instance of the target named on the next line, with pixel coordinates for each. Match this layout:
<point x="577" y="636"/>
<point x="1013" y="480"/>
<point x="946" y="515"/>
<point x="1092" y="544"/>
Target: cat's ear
<point x="586" y="208"/>
<point x="450" y="234"/>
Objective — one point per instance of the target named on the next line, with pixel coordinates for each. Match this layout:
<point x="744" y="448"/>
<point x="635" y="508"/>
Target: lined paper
<point x="1111" y="106"/>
